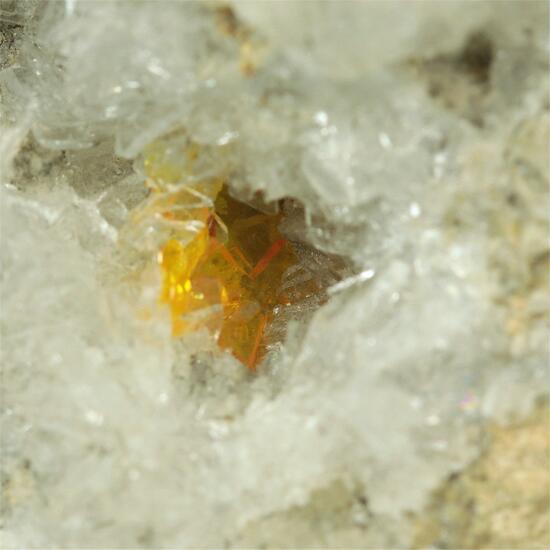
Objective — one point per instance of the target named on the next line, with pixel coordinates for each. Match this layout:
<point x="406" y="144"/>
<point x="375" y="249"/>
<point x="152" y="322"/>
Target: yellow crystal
<point x="228" y="278"/>
<point x="223" y="262"/>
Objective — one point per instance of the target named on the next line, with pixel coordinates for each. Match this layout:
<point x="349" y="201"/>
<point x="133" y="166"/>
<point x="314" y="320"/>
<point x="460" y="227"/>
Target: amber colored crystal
<point x="228" y="276"/>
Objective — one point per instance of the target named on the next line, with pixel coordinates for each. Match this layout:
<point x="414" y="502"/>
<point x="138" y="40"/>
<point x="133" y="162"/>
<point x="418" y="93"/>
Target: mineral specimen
<point x="409" y="140"/>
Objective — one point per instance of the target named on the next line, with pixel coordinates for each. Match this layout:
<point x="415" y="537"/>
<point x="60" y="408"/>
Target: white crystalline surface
<point x="424" y="165"/>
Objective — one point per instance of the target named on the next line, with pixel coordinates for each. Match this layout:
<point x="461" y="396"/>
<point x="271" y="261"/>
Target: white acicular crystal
<point x="409" y="141"/>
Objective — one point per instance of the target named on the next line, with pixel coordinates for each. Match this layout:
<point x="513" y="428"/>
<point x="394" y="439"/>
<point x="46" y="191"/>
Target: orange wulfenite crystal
<point x="225" y="265"/>
<point x="228" y="277"/>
